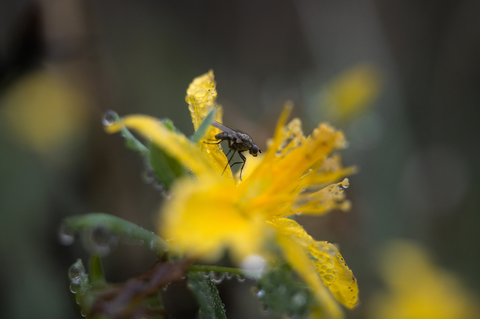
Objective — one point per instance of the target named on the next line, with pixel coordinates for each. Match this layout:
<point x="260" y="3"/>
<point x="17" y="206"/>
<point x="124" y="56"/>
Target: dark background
<point x="64" y="63"/>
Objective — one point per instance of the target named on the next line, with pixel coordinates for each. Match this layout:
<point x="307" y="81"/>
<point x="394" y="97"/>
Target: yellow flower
<point x="352" y="92"/>
<point x="419" y="289"/>
<point x="297" y="174"/>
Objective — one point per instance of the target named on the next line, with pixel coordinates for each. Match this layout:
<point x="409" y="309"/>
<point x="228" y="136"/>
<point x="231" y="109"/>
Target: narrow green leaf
<point x="202" y="129"/>
<point x="116" y="226"/>
<point x="206" y="292"/>
<point x="166" y="168"/>
<point x="132" y="143"/>
<point x="168" y="123"/>
<point x="97" y="275"/>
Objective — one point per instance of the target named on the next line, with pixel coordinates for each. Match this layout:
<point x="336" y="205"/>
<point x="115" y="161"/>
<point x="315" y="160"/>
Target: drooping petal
<point x="335" y="273"/>
<point x="328" y="261"/>
<point x="204" y="219"/>
<point x="296" y="256"/>
<point x="175" y="144"/>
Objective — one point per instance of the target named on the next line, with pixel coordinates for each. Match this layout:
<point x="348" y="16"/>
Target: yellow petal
<point x="298" y="259"/>
<point x="335" y="273"/>
<point x="176" y="145"/>
<point x="203" y="218"/>
<point x="328" y="261"/>
<point x="201" y="95"/>
<point x="353" y="92"/>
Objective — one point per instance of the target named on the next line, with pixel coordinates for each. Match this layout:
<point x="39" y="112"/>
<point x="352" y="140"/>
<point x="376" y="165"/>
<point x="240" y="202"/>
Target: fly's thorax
<point x="245" y="137"/>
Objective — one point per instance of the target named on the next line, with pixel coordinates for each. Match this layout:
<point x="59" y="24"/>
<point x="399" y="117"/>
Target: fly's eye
<point x="254" y="150"/>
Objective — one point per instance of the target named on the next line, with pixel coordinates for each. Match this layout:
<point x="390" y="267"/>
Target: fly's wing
<point x="224" y="128"/>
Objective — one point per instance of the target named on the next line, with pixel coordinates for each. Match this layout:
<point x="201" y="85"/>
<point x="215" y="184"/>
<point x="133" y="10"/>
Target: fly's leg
<point x="244" y="161"/>
<point x="229" y="160"/>
<point x="214" y="143"/>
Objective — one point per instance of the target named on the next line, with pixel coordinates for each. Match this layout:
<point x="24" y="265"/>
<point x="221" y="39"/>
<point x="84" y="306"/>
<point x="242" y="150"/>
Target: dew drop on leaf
<point x="65" y="235"/>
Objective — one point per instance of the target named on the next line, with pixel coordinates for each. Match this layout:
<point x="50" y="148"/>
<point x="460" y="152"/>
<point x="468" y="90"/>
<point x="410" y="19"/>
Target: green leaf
<point x="132" y="143"/>
<point x="167" y="168"/>
<point x="206" y="292"/>
<point x="116" y="226"/>
<point x="280" y="292"/>
<point x="97" y="275"/>
<point x="202" y="129"/>
<point x="168" y="123"/>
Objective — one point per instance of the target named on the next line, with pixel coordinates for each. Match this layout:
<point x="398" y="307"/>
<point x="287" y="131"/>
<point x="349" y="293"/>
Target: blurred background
<point x="400" y="78"/>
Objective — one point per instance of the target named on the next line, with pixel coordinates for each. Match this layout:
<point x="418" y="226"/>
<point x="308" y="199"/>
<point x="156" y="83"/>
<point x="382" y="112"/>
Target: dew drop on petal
<point x="345" y="183"/>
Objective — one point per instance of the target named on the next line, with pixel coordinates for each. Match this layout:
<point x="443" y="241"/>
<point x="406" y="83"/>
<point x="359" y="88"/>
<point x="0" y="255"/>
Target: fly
<point x="238" y="142"/>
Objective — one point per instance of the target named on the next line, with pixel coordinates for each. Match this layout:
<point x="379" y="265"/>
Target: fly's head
<point x="254" y="150"/>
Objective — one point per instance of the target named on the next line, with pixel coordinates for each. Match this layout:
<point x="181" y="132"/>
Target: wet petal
<point x="328" y="261"/>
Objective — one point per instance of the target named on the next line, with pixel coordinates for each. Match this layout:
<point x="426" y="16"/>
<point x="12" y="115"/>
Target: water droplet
<point x="148" y="176"/>
<point x="75" y="286"/>
<point x="265" y="310"/>
<point x="254" y="263"/>
<point x="165" y="287"/>
<point x="217" y="277"/>
<point x="65" y="235"/>
<point x="240" y="278"/>
<point x="261" y="294"/>
<point x="83" y="313"/>
<point x="299" y="299"/>
<point x="345" y="183"/>
<point x="158" y="186"/>
<point x="282" y="289"/>
<point x="76" y="271"/>
<point x="110" y="117"/>
<point x="228" y="276"/>
<point x="99" y="240"/>
<point x="328" y="278"/>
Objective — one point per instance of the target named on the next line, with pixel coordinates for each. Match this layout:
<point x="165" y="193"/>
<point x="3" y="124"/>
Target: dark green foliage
<point x="280" y="292"/>
<point x="206" y="292"/>
<point x="97" y="275"/>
